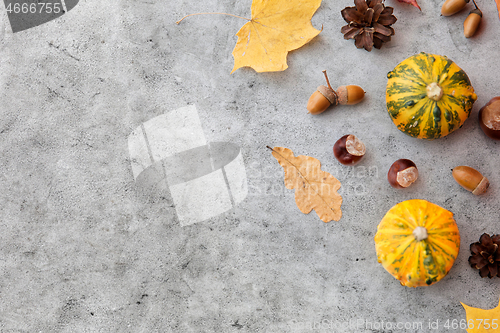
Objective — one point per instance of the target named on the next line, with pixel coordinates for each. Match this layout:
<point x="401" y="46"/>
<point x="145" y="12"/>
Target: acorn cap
<point x="342" y="94"/>
<point x="476" y="11"/>
<point x="481" y="187"/>
<point x="329" y="94"/>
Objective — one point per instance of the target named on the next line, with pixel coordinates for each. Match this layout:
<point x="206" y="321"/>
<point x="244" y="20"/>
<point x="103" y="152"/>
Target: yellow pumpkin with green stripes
<point x="417" y="242"/>
<point x="428" y="96"/>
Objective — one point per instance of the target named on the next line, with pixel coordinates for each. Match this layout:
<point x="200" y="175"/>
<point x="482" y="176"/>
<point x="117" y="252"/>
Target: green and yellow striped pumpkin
<point x="428" y="96"/>
<point x="417" y="242"/>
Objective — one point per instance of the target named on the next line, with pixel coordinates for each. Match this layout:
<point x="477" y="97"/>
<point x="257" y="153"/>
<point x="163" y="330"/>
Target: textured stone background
<point x="82" y="251"/>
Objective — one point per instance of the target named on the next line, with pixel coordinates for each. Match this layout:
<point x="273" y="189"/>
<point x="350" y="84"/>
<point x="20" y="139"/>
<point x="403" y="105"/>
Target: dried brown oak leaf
<point x="314" y="188"/>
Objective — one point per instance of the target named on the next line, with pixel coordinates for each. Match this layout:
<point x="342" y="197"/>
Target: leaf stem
<point x="213" y="14"/>
<point x="475" y="4"/>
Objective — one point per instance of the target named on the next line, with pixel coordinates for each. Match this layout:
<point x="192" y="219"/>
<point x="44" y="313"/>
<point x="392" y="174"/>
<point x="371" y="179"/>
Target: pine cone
<point x="486" y="255"/>
<point x="369" y="23"/>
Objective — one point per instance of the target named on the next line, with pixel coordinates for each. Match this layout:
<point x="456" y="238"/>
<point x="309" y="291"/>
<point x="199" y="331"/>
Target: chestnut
<point x="349" y="149"/>
<point x="402" y="173"/>
<point x="489" y="118"/>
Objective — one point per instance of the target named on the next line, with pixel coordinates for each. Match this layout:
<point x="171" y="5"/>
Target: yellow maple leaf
<point x="314" y="188"/>
<point x="276" y="27"/>
<point x="482" y="321"/>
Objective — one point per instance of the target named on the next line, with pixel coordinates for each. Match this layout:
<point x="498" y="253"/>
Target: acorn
<point x="451" y="7"/>
<point x="470" y="179"/>
<point x="472" y="22"/>
<point x="324" y="97"/>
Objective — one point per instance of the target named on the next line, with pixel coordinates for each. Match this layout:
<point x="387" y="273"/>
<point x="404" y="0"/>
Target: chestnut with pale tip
<point x="402" y="173"/>
<point x="470" y="179"/>
<point x="325" y="96"/>
<point x="349" y="150"/>
<point x="489" y="118"/>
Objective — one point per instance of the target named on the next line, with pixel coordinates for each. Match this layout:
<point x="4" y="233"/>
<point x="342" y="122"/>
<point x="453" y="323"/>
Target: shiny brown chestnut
<point x="402" y="173"/>
<point x="349" y="150"/>
<point x="489" y="118"/>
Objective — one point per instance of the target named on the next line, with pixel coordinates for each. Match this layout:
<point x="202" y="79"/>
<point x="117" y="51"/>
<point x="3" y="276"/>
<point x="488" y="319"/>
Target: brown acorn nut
<point x="402" y="173"/>
<point x="349" y="150"/>
<point x="324" y="96"/>
<point x="451" y="7"/>
<point x="489" y="118"/>
<point x="472" y="22"/>
<point x="470" y="179"/>
<point x="350" y="95"/>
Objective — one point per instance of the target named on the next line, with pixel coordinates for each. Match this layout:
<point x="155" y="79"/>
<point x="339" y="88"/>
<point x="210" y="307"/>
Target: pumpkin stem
<point x="434" y="91"/>
<point x="420" y="233"/>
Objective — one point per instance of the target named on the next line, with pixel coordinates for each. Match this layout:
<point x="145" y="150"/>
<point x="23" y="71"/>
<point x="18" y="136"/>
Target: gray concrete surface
<point x="83" y="248"/>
